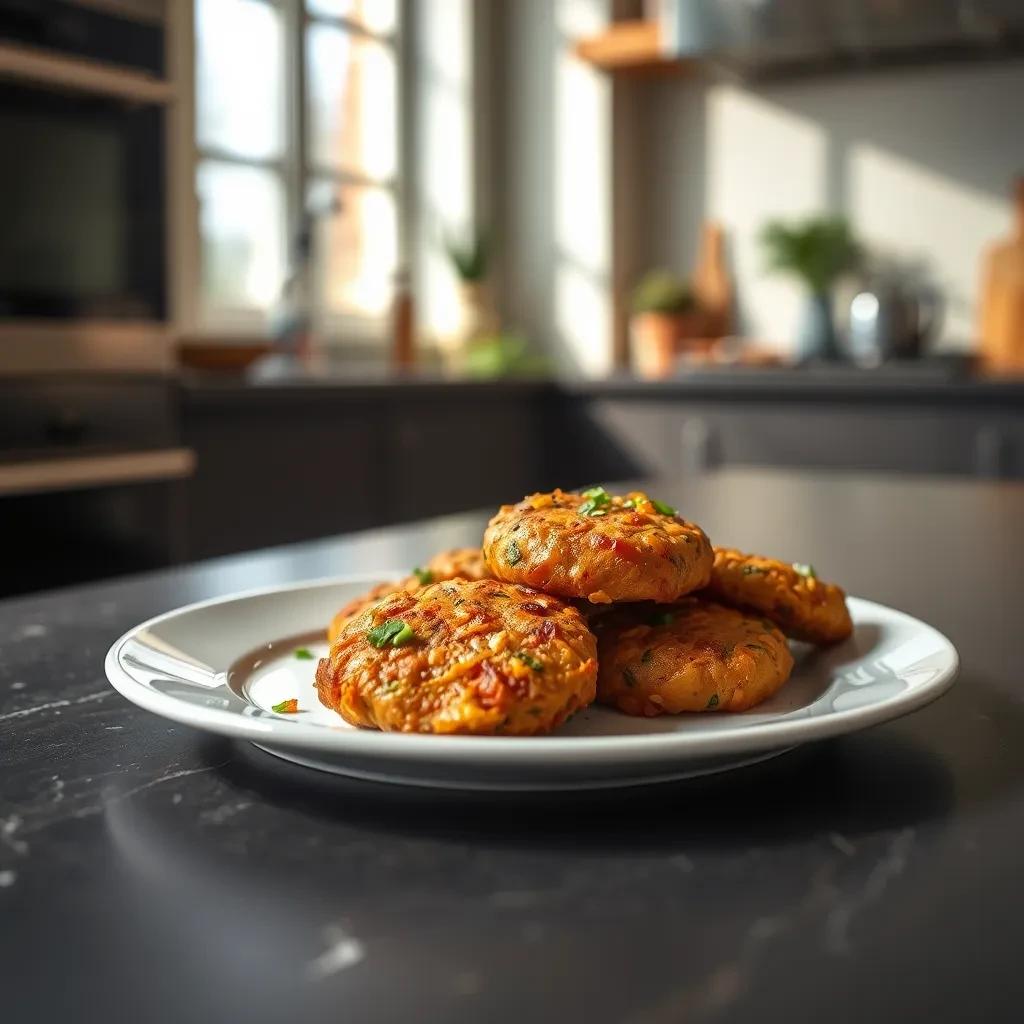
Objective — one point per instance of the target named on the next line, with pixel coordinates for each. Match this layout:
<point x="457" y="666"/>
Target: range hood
<point x="780" y="38"/>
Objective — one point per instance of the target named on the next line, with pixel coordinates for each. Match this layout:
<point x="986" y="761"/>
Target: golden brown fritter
<point x="599" y="547"/>
<point x="792" y="596"/>
<point x="697" y="656"/>
<point x="459" y="563"/>
<point x="462" y="656"/>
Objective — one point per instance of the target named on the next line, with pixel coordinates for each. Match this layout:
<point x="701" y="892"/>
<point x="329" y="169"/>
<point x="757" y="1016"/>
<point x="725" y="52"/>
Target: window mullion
<point x="295" y="79"/>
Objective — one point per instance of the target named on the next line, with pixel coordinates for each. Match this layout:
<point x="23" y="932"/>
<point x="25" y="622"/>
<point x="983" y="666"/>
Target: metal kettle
<point x="892" y="317"/>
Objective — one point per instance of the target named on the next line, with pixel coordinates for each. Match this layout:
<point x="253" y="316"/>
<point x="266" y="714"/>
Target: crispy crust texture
<point x="459" y="563"/>
<point x="707" y="658"/>
<point x="803" y="607"/>
<point x="487" y="658"/>
<point x="629" y="551"/>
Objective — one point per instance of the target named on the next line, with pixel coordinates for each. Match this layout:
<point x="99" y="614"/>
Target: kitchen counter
<point x="149" y="872"/>
<point x="917" y="382"/>
<point x="912" y="384"/>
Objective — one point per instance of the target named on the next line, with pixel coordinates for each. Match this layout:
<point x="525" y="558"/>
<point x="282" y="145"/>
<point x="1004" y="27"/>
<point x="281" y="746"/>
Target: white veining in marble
<point x="9" y="828"/>
<point x="343" y="951"/>
<point x="50" y="705"/>
<point x="842" y="844"/>
<point x="889" y="866"/>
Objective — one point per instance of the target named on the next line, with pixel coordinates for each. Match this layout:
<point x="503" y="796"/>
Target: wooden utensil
<point x="1001" y="325"/>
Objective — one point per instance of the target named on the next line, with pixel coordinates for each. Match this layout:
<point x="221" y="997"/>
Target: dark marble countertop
<point x="149" y="872"/>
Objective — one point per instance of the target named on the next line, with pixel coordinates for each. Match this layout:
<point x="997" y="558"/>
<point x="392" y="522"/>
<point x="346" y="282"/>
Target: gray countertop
<point x="908" y="385"/>
<point x="149" y="872"/>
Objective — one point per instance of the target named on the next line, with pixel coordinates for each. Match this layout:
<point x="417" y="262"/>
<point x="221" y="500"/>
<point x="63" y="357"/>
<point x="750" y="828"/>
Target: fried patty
<point x="458" y="563"/>
<point x="599" y="547"/>
<point x="791" y="596"/>
<point x="461" y="656"/>
<point x="697" y="656"/>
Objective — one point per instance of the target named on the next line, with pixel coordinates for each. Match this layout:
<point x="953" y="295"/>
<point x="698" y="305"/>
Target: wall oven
<point x="83" y="181"/>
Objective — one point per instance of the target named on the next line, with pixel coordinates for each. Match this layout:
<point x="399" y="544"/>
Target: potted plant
<point x="817" y="251"/>
<point x="664" y="314"/>
<point x="469" y="256"/>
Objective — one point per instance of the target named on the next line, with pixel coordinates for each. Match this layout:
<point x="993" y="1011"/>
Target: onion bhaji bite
<point x="696" y="656"/>
<point x="481" y="657"/>
<point x="598" y="546"/>
<point x="459" y="563"/>
<point x="792" y="596"/>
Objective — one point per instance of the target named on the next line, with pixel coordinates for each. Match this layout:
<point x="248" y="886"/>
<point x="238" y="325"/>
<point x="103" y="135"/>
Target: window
<point x="297" y="134"/>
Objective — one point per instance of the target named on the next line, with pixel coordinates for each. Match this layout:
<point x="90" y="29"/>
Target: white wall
<point x="921" y="161"/>
<point x="554" y="204"/>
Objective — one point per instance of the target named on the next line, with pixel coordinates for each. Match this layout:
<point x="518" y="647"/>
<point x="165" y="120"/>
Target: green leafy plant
<point x="504" y="355"/>
<point x="661" y="292"/>
<point x="469" y="255"/>
<point x="818" y="250"/>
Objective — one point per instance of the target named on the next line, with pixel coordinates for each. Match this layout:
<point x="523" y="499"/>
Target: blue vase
<point x="817" y="339"/>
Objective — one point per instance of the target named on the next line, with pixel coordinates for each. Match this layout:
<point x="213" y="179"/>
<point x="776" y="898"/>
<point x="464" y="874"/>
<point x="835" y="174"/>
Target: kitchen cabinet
<point x="970" y="428"/>
<point x="277" y="472"/>
<point x="447" y="456"/>
<point x="279" y="464"/>
<point x="283" y="463"/>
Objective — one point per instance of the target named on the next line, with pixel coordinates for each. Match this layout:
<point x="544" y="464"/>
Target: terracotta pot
<point x="659" y="338"/>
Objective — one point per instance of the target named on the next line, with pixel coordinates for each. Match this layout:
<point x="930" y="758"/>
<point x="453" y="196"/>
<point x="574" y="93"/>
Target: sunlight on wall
<point x="761" y="162"/>
<point x="582" y="197"/>
<point x="912" y="212"/>
<point x="444" y="154"/>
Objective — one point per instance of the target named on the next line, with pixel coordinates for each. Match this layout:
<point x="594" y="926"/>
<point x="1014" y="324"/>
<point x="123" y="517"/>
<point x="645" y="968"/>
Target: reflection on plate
<point x="222" y="665"/>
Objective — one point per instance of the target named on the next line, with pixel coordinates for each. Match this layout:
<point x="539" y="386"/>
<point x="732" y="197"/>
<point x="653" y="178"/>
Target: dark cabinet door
<point x="665" y="438"/>
<point x="272" y="474"/>
<point x="452" y="455"/>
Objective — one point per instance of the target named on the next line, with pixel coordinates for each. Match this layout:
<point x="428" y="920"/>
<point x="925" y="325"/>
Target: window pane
<point x="352" y="116"/>
<point x="241" y="221"/>
<point x="239" y="80"/>
<point x="357" y="250"/>
<point x="373" y="15"/>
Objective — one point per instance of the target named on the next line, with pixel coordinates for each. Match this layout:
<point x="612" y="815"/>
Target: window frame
<point x="297" y="169"/>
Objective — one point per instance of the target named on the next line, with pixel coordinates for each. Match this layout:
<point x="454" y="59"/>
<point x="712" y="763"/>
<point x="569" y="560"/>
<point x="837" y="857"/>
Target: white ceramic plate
<point x="221" y="665"/>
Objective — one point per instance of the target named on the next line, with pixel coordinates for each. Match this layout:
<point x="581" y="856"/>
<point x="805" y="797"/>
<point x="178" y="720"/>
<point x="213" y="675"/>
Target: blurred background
<point x="276" y="269"/>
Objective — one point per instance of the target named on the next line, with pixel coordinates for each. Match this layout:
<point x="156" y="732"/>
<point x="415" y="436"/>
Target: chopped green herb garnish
<point x="393" y="633"/>
<point x="753" y="570"/>
<point x="286" y="707"/>
<point x="512" y="553"/>
<point x="662" y="618"/>
<point x="425" y="576"/>
<point x="629" y="503"/>
<point x="805" y="570"/>
<point x="303" y="653"/>
<point x="663" y="509"/>
<point x="630" y="678"/>
<point x="713" y="702"/>
<point x="529" y="660"/>
<point x="647" y="656"/>
<point x="757" y="647"/>
<point x="597" y="503"/>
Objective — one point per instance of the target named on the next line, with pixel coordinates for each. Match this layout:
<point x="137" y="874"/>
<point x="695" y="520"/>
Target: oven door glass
<point x="82" y="204"/>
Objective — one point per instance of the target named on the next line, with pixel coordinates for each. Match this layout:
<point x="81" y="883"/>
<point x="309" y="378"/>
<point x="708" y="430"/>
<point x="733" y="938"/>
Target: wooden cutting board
<point x="1001" y="326"/>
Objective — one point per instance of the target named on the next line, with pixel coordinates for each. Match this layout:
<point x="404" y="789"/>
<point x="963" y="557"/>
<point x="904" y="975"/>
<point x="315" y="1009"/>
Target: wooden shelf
<point x="631" y="47"/>
<point x="73" y="74"/>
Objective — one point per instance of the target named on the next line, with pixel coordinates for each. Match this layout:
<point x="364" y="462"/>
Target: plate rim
<point x="633" y="748"/>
